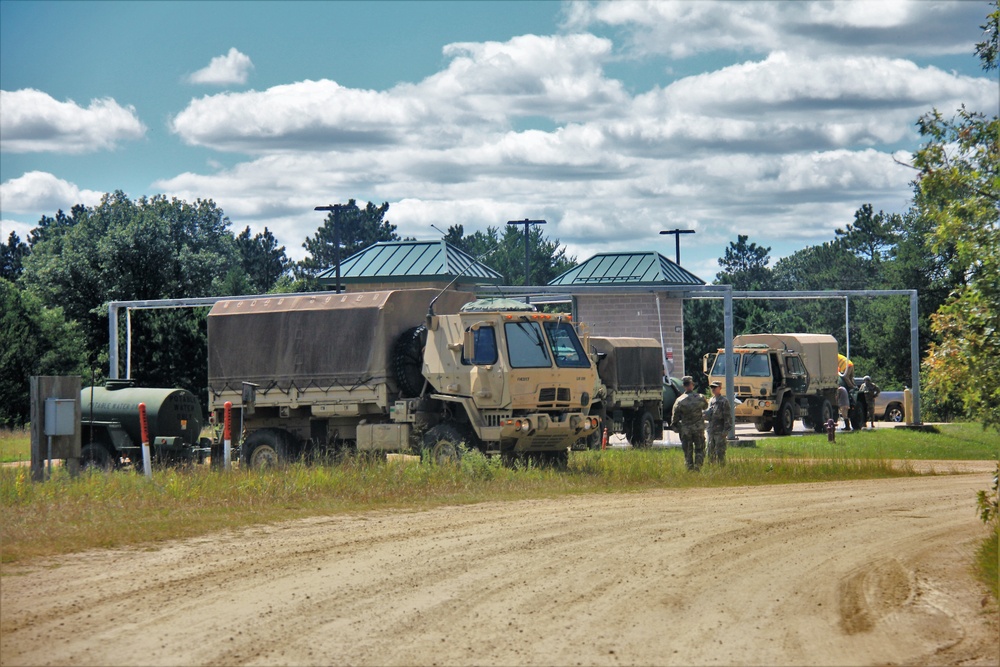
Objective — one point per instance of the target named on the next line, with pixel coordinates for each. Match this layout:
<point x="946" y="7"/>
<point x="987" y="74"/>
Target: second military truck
<point x="782" y="377"/>
<point x="629" y="399"/>
<point x="398" y="371"/>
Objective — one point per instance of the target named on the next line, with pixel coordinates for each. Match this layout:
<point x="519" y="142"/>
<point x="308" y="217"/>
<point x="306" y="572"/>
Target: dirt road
<point x="844" y="573"/>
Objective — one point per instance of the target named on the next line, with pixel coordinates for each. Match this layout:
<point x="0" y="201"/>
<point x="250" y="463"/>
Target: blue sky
<point x="611" y="121"/>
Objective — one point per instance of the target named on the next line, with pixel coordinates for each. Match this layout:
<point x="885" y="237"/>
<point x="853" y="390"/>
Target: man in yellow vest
<point x="845" y="367"/>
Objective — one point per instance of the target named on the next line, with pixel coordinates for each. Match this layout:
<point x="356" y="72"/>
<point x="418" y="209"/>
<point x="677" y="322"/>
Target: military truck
<point x="629" y="397"/>
<point x="111" y="434"/>
<point x="779" y="378"/>
<point x="399" y="371"/>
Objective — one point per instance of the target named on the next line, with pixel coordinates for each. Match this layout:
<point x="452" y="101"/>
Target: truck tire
<point x="894" y="413"/>
<point x="96" y="457"/>
<point x="267" y="448"/>
<point x="442" y="444"/>
<point x="785" y="421"/>
<point x="408" y="361"/>
<point x="763" y="424"/>
<point x="857" y="416"/>
<point x="824" y="413"/>
<point x="642" y="433"/>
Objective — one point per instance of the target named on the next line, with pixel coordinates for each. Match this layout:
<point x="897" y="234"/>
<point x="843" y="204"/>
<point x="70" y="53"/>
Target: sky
<point x="612" y="121"/>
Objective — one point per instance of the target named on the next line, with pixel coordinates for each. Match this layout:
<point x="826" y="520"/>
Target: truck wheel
<point x="785" y="422"/>
<point x="894" y="413"/>
<point x="408" y="361"/>
<point x="857" y="416"/>
<point x="267" y="448"/>
<point x="763" y="424"/>
<point x="441" y="444"/>
<point x="95" y="457"/>
<point x="642" y="433"/>
<point x="825" y="413"/>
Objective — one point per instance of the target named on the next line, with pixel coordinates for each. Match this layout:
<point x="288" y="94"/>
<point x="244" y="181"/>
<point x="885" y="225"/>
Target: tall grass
<point x="103" y="510"/>
<point x="15" y="444"/>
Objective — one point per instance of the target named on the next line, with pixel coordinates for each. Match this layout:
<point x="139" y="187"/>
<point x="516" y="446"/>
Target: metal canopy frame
<point x="724" y="292"/>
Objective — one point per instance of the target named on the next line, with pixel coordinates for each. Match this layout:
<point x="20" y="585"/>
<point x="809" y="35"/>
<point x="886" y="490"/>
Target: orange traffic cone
<point x="604" y="440"/>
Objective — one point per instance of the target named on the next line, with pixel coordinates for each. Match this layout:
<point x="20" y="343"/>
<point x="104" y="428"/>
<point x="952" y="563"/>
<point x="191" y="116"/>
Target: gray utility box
<point x="60" y="416"/>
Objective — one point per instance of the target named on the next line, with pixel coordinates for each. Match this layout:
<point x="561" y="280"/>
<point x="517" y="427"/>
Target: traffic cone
<point x="604" y="440"/>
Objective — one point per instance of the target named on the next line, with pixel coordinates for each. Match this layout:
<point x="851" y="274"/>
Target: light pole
<point x="527" y="248"/>
<point x="677" y="238"/>
<point x="335" y="209"/>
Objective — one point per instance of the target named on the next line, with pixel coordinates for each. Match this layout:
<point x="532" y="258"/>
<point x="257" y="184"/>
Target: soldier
<point x="870" y="390"/>
<point x="720" y="420"/>
<point x="688" y="419"/>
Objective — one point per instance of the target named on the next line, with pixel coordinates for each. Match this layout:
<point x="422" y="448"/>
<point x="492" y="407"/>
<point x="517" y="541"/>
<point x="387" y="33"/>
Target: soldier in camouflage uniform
<point x="689" y="421"/>
<point x="720" y="420"/>
<point x="870" y="391"/>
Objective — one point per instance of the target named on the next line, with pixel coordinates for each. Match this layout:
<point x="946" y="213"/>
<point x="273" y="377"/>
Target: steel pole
<point x="730" y="386"/>
<point x="915" y="356"/>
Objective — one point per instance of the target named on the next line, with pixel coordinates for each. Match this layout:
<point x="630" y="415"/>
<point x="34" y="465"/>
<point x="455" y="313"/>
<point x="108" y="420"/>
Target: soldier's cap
<point x="715" y="384"/>
<point x="687" y="379"/>
<point x="868" y="378"/>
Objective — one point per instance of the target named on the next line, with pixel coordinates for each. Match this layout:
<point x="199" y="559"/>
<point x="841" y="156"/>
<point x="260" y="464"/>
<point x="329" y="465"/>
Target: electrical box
<point x="60" y="416"/>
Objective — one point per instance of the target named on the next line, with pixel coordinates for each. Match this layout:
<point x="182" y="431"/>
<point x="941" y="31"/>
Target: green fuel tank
<point x="171" y="413"/>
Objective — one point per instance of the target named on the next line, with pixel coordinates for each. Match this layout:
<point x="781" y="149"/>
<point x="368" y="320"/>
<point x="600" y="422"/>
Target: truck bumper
<point x="753" y="408"/>
<point x="542" y="432"/>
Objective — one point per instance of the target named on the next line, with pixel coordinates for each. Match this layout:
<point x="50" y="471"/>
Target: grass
<point x="112" y="510"/>
<point x="15" y="445"/>
<point x="109" y="510"/>
<point x="959" y="441"/>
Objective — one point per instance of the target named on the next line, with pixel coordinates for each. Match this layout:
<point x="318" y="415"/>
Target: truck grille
<point x="550" y="396"/>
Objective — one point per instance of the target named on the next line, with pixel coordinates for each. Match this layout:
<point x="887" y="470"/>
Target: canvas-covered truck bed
<point x="323" y="350"/>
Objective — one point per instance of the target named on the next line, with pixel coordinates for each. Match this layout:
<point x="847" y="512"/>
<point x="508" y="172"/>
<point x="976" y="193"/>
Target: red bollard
<point x="227" y="434"/>
<point x="604" y="439"/>
<point x="831" y="430"/>
<point x="147" y="466"/>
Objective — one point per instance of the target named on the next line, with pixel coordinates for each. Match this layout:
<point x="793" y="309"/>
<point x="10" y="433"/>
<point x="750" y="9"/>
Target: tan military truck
<point x="779" y="378"/>
<point x="629" y="397"/>
<point x="399" y="371"/>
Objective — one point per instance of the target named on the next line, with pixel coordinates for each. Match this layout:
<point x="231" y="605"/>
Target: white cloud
<point x="682" y="28"/>
<point x="232" y="68"/>
<point x="33" y="121"/>
<point x="39" y="192"/>
<point x="22" y="229"/>
<point x="484" y="88"/>
<point x="784" y="146"/>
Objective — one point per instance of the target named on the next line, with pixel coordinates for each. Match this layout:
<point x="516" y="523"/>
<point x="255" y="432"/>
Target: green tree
<point x="357" y="228"/>
<point x="124" y="250"/>
<point x="958" y="192"/>
<point x="871" y="236"/>
<point x="34" y="340"/>
<point x="745" y="266"/>
<point x="264" y="262"/>
<point x="504" y="252"/>
<point x="12" y="257"/>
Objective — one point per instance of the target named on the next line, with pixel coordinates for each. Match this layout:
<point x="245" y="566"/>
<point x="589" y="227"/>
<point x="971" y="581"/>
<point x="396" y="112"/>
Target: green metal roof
<point x="627" y="268"/>
<point x="411" y="261"/>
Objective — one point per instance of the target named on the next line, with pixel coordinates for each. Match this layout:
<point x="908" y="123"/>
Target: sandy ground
<point x="841" y="573"/>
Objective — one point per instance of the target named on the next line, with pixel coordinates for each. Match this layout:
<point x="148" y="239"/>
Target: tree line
<point x="54" y="286"/>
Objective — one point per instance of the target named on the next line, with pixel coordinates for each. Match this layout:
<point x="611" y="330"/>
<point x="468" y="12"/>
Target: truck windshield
<point x="566" y="345"/>
<point x="720" y="365"/>
<point x="525" y="345"/>
<point x="755" y="365"/>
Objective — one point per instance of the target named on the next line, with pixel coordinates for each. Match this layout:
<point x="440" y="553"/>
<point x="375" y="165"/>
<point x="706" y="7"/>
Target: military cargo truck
<point x="629" y="398"/>
<point x="398" y="371"/>
<point x="780" y="378"/>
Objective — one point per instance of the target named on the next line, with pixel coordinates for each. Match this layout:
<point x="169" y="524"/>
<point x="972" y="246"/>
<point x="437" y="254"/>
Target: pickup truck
<point x="889" y="406"/>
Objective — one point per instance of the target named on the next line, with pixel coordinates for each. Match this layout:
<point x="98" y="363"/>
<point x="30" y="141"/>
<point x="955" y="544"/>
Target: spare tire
<point x="408" y="361"/>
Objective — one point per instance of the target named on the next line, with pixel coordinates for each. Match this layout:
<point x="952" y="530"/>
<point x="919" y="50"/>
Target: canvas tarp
<point x="631" y="364"/>
<point x="319" y="340"/>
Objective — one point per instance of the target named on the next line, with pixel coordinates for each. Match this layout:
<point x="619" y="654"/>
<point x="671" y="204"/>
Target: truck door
<point x="486" y="374"/>
<point x="796" y="375"/>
